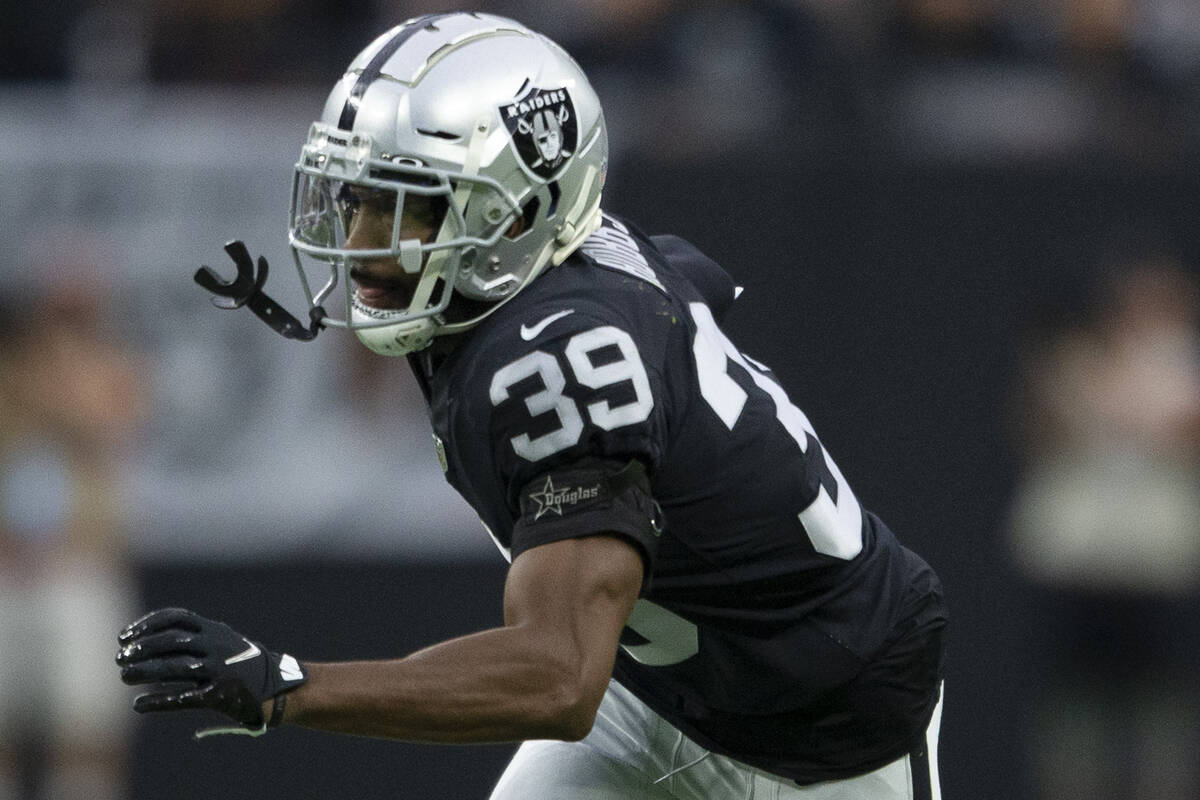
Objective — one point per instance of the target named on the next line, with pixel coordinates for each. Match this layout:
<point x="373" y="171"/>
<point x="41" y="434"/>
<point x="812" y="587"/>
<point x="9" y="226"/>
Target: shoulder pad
<point x="714" y="283"/>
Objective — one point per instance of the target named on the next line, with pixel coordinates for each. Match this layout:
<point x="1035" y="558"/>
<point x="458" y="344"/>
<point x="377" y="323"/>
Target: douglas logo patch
<point x="552" y="498"/>
<point x="543" y="128"/>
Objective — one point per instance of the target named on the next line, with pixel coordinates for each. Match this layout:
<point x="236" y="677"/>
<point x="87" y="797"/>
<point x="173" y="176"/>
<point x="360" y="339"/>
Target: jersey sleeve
<point x="568" y="424"/>
<point x="590" y="496"/>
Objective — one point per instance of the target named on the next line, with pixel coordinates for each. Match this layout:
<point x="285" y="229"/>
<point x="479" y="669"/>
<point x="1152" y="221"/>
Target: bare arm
<point x="540" y="676"/>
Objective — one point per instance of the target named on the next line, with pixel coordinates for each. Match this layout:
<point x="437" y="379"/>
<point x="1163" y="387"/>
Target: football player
<point x="697" y="606"/>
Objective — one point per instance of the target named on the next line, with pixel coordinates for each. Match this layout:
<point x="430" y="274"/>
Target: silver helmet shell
<point x="478" y="110"/>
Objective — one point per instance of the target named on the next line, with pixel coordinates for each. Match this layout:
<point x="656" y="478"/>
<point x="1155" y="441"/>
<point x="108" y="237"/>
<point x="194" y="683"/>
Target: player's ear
<point x="516" y="229"/>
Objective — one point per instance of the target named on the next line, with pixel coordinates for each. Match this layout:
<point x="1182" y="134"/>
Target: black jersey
<point x="779" y="623"/>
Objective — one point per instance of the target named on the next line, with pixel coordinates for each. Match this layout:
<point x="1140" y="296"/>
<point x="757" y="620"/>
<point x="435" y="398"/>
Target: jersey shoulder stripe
<point x="613" y="246"/>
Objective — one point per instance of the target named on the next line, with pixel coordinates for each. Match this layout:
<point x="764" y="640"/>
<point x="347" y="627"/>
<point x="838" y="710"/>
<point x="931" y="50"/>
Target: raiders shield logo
<point x="543" y="129"/>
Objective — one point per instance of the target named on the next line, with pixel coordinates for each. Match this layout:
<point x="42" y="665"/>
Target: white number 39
<point x="581" y="351"/>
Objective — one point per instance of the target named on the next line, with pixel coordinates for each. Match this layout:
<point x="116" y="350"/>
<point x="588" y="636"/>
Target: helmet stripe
<point x="371" y="72"/>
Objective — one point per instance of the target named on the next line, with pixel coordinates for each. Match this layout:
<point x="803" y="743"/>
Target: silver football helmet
<point x="458" y="157"/>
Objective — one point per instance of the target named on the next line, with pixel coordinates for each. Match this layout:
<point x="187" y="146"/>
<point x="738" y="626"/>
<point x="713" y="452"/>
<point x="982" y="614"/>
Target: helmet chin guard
<point x="393" y="339"/>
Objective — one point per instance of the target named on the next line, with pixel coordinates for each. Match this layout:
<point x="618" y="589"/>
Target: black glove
<point x="201" y="663"/>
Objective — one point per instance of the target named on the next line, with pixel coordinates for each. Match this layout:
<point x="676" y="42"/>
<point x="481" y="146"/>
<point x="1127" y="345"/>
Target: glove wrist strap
<point x="277" y="710"/>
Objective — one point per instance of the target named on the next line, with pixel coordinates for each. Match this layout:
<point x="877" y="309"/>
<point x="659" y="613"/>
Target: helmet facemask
<point x="396" y="234"/>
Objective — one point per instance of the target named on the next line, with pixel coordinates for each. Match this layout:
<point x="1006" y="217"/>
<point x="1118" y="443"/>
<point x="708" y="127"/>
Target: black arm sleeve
<point x="590" y="497"/>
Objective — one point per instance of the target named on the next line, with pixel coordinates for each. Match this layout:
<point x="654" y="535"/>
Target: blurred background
<point x="967" y="232"/>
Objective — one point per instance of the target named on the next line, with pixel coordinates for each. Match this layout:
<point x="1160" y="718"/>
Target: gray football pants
<point x="634" y="753"/>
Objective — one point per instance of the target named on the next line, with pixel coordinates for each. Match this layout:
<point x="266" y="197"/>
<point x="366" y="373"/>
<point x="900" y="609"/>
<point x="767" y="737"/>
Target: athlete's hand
<point x="195" y="662"/>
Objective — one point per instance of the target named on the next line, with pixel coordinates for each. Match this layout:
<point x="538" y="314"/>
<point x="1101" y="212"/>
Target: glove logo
<point x="250" y="652"/>
<point x="289" y="669"/>
<point x="543" y="128"/>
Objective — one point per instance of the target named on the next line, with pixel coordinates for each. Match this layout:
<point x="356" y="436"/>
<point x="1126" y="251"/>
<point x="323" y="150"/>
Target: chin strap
<point x="581" y="222"/>
<point x="246" y="290"/>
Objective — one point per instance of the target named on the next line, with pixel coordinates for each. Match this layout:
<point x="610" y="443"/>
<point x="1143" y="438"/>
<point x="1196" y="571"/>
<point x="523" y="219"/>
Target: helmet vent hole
<point x="453" y="137"/>
<point x="555" y="193"/>
<point x="528" y="217"/>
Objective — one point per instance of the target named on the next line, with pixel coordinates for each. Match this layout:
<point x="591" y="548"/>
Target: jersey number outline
<point x="669" y="637"/>
<point x="552" y="398"/>
<point x="833" y="520"/>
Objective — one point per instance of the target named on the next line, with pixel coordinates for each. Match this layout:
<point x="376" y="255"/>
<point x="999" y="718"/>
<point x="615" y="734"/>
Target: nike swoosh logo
<point x="247" y="654"/>
<point x="530" y="332"/>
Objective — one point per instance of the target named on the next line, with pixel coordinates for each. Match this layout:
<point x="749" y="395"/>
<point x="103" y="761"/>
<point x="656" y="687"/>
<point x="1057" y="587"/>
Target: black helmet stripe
<point x="371" y="72"/>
